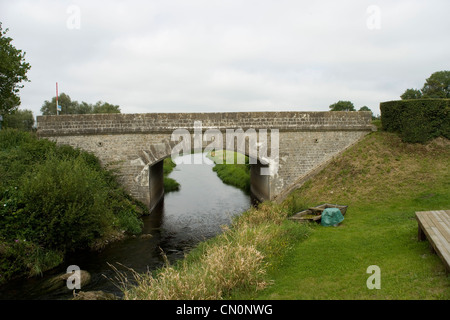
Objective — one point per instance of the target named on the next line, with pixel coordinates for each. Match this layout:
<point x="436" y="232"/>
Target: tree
<point x="411" y="94"/>
<point x="105" y="107"/>
<point x="366" y="108"/>
<point x="67" y="105"/>
<point x="20" y="119"/>
<point x="13" y="71"/>
<point x="437" y="85"/>
<point x="342" y="106"/>
<point x="74" y="107"/>
<point x="84" y="108"/>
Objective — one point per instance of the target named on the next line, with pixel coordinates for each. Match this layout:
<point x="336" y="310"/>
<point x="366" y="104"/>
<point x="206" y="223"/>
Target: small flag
<point x="59" y="107"/>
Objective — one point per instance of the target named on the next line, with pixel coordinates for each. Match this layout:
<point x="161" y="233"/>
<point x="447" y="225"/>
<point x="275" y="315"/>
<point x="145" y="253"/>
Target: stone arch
<point x="150" y="178"/>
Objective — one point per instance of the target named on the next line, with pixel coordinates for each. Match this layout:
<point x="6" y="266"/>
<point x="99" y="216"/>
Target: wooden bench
<point x="435" y="226"/>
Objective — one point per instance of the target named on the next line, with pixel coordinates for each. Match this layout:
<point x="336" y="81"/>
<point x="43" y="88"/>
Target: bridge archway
<point x="151" y="177"/>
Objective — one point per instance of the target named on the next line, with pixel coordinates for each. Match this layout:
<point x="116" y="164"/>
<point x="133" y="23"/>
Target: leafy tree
<point x="342" y="106"/>
<point x="20" y="119"/>
<point x="67" y="105"/>
<point x="366" y="108"/>
<point x="84" y="108"/>
<point x="105" y="107"/>
<point x="13" y="70"/>
<point x="437" y="85"/>
<point x="74" y="107"/>
<point x="411" y="94"/>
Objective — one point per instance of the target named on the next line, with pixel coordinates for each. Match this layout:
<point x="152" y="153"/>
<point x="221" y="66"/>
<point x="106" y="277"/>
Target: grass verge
<point x="384" y="182"/>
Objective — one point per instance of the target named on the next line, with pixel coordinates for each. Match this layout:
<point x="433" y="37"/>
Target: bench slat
<point x="435" y="225"/>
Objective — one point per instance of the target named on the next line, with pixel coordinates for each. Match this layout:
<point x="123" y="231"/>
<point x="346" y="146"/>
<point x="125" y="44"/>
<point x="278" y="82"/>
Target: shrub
<point x="418" y="120"/>
<point x="61" y="205"/>
<point x="55" y="199"/>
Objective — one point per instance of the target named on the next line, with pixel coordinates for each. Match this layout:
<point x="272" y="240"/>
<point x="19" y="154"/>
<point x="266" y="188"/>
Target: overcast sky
<point x="227" y="55"/>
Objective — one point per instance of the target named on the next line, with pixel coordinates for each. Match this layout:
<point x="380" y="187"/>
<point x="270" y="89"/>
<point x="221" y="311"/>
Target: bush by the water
<point x="54" y="199"/>
<point x="417" y="120"/>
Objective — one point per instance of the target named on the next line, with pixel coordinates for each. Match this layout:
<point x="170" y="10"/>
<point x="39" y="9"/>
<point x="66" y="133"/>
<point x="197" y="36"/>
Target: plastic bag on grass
<point x="331" y="217"/>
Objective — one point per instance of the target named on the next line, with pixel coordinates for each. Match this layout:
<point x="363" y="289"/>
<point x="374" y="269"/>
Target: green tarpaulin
<point x="331" y="217"/>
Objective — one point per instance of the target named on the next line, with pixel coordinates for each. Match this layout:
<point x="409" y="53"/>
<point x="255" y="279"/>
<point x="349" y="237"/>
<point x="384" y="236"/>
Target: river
<point x="194" y="213"/>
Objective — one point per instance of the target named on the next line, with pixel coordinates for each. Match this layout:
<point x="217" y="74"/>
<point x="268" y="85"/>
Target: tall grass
<point x="237" y="259"/>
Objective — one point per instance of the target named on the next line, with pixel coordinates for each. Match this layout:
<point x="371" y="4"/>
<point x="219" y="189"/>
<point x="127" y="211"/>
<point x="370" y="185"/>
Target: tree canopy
<point x="74" y="107"/>
<point x="411" y="94"/>
<point x="437" y="86"/>
<point x="20" y="119"/>
<point x="342" y="106"/>
<point x="13" y="71"/>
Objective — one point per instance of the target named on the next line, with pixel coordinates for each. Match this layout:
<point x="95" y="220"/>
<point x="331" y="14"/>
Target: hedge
<point x="418" y="120"/>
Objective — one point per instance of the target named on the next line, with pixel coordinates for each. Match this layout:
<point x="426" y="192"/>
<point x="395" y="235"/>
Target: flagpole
<point x="57" y="112"/>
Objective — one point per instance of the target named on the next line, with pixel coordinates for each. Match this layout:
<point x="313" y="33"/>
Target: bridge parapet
<point x="87" y="124"/>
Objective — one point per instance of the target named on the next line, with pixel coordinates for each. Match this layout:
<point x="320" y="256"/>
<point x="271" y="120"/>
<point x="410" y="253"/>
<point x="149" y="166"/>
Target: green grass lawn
<point x="384" y="182"/>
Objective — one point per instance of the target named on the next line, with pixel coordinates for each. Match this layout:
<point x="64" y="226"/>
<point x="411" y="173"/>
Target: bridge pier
<point x="156" y="184"/>
<point x="259" y="184"/>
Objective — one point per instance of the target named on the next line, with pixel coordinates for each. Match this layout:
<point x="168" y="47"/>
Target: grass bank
<point x="265" y="256"/>
<point x="384" y="182"/>
<point x="237" y="259"/>
<point x="232" y="168"/>
<point x="55" y="199"/>
<point x="169" y="183"/>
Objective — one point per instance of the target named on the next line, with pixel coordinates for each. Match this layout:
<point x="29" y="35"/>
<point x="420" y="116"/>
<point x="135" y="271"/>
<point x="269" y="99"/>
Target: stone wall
<point x="167" y="122"/>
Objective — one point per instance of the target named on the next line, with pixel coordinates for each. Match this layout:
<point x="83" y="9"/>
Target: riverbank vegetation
<point x="263" y="255"/>
<point x="229" y="170"/>
<point x="55" y="199"/>
<point x="169" y="183"/>
<point x="237" y="259"/>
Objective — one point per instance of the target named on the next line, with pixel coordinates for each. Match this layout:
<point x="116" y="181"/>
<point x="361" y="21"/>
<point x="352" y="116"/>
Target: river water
<point x="194" y="213"/>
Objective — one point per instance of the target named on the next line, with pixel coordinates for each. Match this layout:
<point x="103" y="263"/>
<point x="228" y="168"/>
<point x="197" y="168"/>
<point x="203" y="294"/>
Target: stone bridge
<point x="292" y="146"/>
